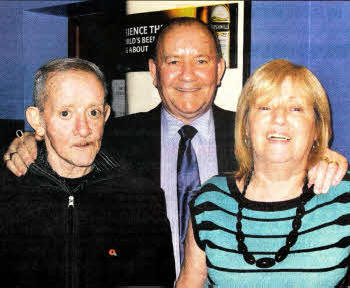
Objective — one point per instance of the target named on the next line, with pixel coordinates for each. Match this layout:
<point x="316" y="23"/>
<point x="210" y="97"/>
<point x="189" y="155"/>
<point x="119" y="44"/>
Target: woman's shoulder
<point x="346" y="178"/>
<point x="342" y="187"/>
<point x="336" y="194"/>
<point x="223" y="181"/>
<point x="217" y="187"/>
<point x="216" y="180"/>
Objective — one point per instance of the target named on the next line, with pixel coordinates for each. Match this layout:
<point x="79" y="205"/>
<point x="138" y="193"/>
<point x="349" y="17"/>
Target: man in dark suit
<point x="187" y="68"/>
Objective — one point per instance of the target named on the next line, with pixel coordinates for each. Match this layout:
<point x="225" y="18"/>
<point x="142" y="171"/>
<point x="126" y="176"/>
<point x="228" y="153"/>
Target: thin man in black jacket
<point x="79" y="218"/>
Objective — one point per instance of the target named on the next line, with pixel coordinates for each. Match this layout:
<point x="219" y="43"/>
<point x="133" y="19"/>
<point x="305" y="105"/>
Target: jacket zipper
<point x="71" y="252"/>
<point x="71" y="201"/>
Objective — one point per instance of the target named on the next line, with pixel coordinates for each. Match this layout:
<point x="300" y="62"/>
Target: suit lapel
<point x="154" y="142"/>
<point x="224" y="135"/>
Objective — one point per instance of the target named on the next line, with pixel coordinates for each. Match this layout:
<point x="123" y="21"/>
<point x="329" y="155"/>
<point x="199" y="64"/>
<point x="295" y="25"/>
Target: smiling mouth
<point x="278" y="137"/>
<point x="187" y="89"/>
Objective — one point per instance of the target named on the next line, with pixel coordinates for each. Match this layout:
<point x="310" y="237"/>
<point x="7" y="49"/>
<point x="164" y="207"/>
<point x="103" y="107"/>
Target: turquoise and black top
<point x="319" y="258"/>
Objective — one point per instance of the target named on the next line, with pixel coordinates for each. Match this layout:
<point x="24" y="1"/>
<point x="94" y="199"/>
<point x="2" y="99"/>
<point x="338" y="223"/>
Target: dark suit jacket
<point x="136" y="138"/>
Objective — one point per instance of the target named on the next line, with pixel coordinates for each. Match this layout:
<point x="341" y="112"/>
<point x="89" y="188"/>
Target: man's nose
<point x="188" y="71"/>
<point x="82" y="126"/>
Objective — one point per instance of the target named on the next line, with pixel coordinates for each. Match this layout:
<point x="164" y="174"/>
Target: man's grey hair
<point x="183" y="21"/>
<point x="61" y="65"/>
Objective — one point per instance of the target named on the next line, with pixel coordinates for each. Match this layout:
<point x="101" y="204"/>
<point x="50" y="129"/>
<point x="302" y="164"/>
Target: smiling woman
<point x="263" y="226"/>
<point x="282" y="98"/>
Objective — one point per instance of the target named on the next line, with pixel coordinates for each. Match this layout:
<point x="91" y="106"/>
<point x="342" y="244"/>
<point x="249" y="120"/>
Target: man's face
<point x="74" y="116"/>
<point x="187" y="71"/>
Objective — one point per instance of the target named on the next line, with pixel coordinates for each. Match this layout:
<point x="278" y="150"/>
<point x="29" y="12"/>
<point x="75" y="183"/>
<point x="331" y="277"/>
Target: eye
<point x="264" y="108"/>
<point x="202" y="61"/>
<point x="173" y="62"/>
<point x="296" y="109"/>
<point x="64" y="114"/>
<point x="95" y="112"/>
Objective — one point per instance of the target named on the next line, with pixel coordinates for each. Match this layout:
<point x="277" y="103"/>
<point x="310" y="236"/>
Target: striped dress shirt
<point x="205" y="147"/>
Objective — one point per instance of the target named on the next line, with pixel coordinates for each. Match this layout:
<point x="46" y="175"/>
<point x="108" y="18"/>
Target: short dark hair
<point x="184" y="21"/>
<point x="60" y="65"/>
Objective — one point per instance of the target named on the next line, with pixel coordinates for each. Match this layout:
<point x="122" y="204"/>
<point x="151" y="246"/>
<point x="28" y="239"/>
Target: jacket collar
<point x="103" y="162"/>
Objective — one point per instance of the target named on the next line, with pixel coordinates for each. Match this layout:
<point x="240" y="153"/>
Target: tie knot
<point x="187" y="132"/>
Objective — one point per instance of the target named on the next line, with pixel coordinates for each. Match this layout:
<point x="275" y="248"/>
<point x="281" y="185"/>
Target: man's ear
<point x="221" y="70"/>
<point x="153" y="70"/>
<point x="33" y="118"/>
<point x="107" y="112"/>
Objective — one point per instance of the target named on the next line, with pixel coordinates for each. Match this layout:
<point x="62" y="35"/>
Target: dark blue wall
<point x="315" y="34"/>
<point x="27" y="40"/>
<point x="11" y="64"/>
<point x="44" y="37"/>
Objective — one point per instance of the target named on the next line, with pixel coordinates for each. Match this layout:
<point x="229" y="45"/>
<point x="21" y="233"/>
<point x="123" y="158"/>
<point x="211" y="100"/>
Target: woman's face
<point x="282" y="129"/>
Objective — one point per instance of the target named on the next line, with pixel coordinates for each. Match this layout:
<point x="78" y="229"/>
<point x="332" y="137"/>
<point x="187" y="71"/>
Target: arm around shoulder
<point x="329" y="171"/>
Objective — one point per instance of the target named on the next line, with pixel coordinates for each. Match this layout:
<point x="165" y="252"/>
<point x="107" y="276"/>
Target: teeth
<point x="187" y="90"/>
<point x="278" y="137"/>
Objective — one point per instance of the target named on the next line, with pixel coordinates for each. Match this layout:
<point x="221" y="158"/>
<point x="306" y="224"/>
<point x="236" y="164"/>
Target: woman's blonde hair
<point x="267" y="81"/>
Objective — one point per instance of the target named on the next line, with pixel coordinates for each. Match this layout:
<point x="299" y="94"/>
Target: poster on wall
<point x="139" y="32"/>
<point x="230" y="20"/>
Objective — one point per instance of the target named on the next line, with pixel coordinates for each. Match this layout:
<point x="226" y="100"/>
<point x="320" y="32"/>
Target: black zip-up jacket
<point x="110" y="230"/>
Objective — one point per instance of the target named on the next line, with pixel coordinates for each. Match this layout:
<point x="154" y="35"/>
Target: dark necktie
<point x="188" y="180"/>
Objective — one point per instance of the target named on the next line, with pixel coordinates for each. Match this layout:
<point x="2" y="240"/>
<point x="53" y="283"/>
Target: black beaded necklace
<point x="292" y="237"/>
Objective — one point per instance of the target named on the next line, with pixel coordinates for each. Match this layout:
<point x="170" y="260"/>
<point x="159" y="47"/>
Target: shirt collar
<point x="203" y="124"/>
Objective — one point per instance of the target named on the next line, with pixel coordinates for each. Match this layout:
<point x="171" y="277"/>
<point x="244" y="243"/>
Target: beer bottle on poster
<point x="219" y="20"/>
<point x="202" y="14"/>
